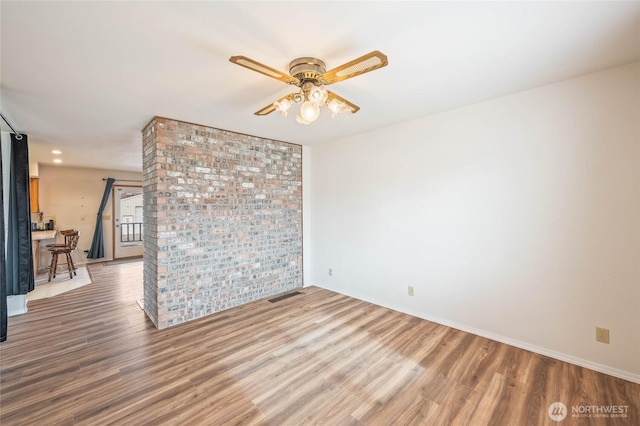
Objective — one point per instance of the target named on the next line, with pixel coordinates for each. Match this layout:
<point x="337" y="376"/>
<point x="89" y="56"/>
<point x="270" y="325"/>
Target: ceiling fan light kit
<point x="310" y="76"/>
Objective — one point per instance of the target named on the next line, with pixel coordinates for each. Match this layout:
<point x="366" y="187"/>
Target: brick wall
<point x="223" y="219"/>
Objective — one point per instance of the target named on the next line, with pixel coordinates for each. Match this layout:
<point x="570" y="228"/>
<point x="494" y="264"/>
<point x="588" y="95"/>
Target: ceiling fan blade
<point x="266" y="110"/>
<point x="369" y="62"/>
<point x="353" y="108"/>
<point x="243" y="61"/>
<point x="272" y="107"/>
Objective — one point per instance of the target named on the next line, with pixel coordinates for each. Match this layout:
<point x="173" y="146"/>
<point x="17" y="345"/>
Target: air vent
<point x="284" y="296"/>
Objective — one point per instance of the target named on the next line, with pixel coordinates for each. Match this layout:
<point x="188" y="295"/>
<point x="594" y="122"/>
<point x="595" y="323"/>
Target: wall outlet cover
<point x="602" y="335"/>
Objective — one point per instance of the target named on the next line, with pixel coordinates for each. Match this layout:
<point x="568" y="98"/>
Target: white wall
<point x="72" y="196"/>
<point x="517" y="218"/>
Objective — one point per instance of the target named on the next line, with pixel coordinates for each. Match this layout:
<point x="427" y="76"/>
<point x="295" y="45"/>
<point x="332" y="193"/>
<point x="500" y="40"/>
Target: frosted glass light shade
<point x="301" y="120"/>
<point x="318" y="95"/>
<point x="283" y="106"/>
<point x="309" y="111"/>
<point x="336" y="107"/>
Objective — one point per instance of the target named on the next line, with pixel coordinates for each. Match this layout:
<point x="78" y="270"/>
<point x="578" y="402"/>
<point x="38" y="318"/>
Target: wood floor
<point x="90" y="356"/>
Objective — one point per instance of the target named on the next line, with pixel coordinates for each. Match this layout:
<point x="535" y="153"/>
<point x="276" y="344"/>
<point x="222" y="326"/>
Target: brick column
<point x="222" y="219"/>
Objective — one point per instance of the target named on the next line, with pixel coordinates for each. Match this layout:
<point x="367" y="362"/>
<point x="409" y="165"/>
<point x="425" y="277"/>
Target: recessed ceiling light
<point x="56" y="151"/>
<point x="57" y="160"/>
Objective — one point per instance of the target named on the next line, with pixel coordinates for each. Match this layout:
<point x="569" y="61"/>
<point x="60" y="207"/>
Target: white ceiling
<point x="85" y="77"/>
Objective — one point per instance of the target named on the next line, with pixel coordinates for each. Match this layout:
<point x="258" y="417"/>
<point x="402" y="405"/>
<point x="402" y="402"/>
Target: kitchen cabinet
<point x="33" y="194"/>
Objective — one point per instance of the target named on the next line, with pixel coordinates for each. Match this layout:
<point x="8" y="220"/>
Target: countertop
<point x="43" y="235"/>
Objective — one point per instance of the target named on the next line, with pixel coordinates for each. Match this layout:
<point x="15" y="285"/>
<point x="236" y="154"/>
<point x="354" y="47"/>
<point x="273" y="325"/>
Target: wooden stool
<point x="71" y="240"/>
<point x="67" y="233"/>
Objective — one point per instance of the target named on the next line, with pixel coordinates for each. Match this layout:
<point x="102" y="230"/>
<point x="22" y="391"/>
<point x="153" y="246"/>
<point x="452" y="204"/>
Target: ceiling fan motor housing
<point x="307" y="68"/>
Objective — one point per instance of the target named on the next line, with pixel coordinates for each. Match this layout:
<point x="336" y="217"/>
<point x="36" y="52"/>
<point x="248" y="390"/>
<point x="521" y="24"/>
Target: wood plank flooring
<point x="91" y="356"/>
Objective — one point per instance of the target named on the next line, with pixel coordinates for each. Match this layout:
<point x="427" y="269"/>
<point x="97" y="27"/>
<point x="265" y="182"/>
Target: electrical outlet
<point x="410" y="290"/>
<point x="602" y="335"/>
<point x="330" y="272"/>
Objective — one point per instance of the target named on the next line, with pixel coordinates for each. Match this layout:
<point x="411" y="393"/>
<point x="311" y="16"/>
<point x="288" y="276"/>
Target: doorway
<point x="128" y="226"/>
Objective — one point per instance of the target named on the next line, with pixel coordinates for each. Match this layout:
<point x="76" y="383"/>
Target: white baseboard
<point x="622" y="374"/>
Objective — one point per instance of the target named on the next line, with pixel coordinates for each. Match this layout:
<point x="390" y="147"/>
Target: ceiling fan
<point x="310" y="76"/>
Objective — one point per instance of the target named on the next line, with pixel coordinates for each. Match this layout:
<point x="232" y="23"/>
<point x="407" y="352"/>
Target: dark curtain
<point x="19" y="262"/>
<point x="97" y="245"/>
<point x="3" y="272"/>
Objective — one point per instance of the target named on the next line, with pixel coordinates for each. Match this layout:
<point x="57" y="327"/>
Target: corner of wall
<point x="307" y="218"/>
